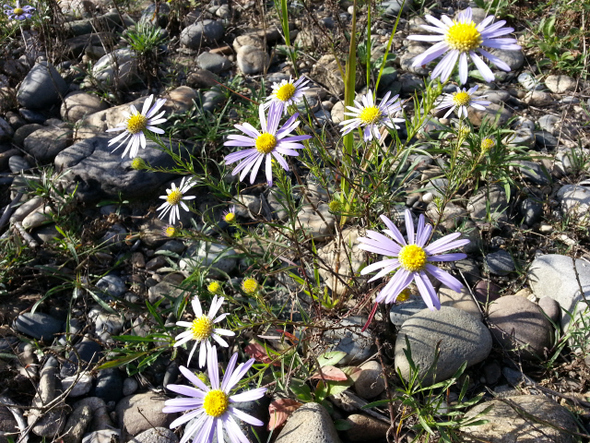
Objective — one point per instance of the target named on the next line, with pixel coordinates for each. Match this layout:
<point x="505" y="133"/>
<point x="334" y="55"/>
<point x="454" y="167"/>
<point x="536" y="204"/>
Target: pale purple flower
<point x="136" y="124"/>
<point x="461" y="38"/>
<point x="287" y="92"/>
<point x="18" y="12"/>
<point x="461" y="100"/>
<point x="370" y="117"/>
<point x="229" y="215"/>
<point x="202" y="330"/>
<point x="265" y="145"/>
<point x="411" y="260"/>
<point x="212" y="409"/>
<point x="174" y="199"/>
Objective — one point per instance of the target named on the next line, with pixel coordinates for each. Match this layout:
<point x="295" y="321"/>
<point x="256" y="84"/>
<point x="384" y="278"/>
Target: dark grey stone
<point x="531" y="210"/>
<point x="196" y="34"/>
<point x="535" y="173"/>
<point x="544" y="139"/>
<point x="42" y="87"/>
<point x="212" y="62"/>
<point x="38" y="325"/>
<point x="112" y="285"/>
<point x="100" y="173"/>
<point x="6" y="131"/>
<point x="32" y="116"/>
<point x="499" y="262"/>
<point x="86" y="352"/>
<point x="109" y="385"/>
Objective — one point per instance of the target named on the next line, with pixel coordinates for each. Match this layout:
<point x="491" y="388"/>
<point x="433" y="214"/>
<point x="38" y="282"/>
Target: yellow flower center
<point x="403" y="296"/>
<point x="250" y="286"/>
<point x="202" y="328"/>
<point x="463" y="37"/>
<point x="174" y="197"/>
<point x="216" y="403"/>
<point x="335" y="206"/>
<point x="18" y="11"/>
<point x="412" y="258"/>
<point x="370" y="115"/>
<point x="265" y="143"/>
<point x="230" y="217"/>
<point x="170" y="231"/>
<point x="285" y="92"/>
<point x="136" y="123"/>
<point x="461" y="99"/>
<point x="214" y="287"/>
<point x="487" y="144"/>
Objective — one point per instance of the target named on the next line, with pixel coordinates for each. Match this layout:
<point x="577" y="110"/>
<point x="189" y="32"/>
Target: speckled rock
<point x="141" y="412"/>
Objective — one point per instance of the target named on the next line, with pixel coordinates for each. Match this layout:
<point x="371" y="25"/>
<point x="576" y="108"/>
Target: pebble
<point x="212" y="255"/>
<point x="531" y="211"/>
<point x="520" y="327"/>
<point x="344" y="255"/>
<point x="311" y="423"/>
<point x="155" y="435"/>
<point x="483" y="204"/>
<point x="560" y="83"/>
<point x="545" y="140"/>
<point x="112" y="285"/>
<point x="370" y="381"/>
<point x="575" y="202"/>
<point x="529" y="426"/>
<point x="47" y="423"/>
<point x="103" y="436"/>
<point x="109" y="385"/>
<point x="77" y="423"/>
<point x="120" y="64"/>
<point x="459" y="300"/>
<point x="38" y="325"/>
<point x="554" y="276"/>
<point x="462" y="338"/>
<point x="140" y="412"/>
<point x="206" y="31"/>
<point x="400" y="312"/>
<point x="529" y="82"/>
<point x="348" y="338"/>
<point x="215" y="63"/>
<point x="551" y="309"/>
<point x="365" y="428"/>
<point x="130" y="385"/>
<point x="252" y="60"/>
<point x="499" y="262"/>
<point x="82" y="384"/>
<point x="316" y="226"/>
<point x="41" y="88"/>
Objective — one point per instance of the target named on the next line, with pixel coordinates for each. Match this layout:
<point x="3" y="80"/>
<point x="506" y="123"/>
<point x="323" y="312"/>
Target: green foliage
<point x="427" y="405"/>
<point x="145" y="38"/>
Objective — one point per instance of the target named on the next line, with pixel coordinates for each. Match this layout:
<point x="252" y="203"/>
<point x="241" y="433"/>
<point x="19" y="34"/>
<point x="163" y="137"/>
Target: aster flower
<point x="202" y="330"/>
<point x="287" y="92"/>
<point x="18" y="12"/>
<point x="229" y="216"/>
<point x="459" y="39"/>
<point x="461" y="100"/>
<point x="137" y="124"/>
<point x="174" y="199"/>
<point x="265" y="145"/>
<point x="411" y="260"/>
<point x="370" y="117"/>
<point x="212" y="409"/>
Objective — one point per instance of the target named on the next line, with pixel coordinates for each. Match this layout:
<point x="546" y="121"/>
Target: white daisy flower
<point x="136" y="125"/>
<point x="174" y="199"/>
<point x="461" y="100"/>
<point x="202" y="330"/>
<point x="288" y="92"/>
<point x="212" y="411"/>
<point x="461" y="38"/>
<point x="370" y="117"/>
